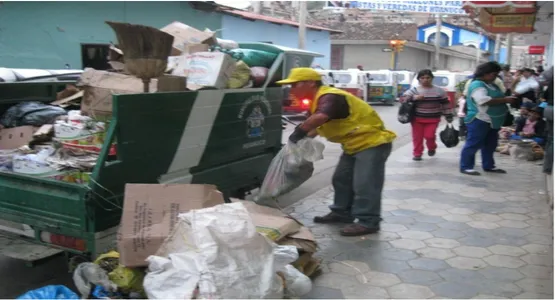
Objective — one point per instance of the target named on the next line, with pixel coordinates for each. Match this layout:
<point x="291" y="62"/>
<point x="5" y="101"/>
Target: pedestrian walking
<point x="359" y="176"/>
<point x="431" y="102"/>
<point x="486" y="112"/>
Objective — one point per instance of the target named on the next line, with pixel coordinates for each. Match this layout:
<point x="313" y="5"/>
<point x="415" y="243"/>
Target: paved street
<point x="18" y="278"/>
<point x="444" y="235"/>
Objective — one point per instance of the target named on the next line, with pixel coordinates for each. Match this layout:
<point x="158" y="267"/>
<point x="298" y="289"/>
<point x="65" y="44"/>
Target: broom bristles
<point x="146" y="48"/>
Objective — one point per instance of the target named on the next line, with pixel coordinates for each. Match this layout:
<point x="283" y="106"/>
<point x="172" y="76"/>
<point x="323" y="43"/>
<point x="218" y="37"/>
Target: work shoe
<point x="496" y="170"/>
<point x="333" y="218"/>
<point x="357" y="230"/>
<point x="431" y="152"/>
<point x="417" y="158"/>
<point x="471" y="172"/>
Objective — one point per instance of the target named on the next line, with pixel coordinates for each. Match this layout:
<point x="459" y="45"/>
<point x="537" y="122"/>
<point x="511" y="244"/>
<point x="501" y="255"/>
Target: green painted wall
<point x="47" y="35"/>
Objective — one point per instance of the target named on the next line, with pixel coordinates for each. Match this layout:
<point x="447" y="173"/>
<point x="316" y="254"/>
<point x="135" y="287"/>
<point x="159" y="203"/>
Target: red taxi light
<point x="306" y="102"/>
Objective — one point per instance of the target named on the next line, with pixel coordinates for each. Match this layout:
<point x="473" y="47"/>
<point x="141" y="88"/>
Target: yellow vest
<point x="362" y="129"/>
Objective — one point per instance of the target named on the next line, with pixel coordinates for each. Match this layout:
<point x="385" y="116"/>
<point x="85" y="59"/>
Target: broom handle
<point x="146" y="84"/>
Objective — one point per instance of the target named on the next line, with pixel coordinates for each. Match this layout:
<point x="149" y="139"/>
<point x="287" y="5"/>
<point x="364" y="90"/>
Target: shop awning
<point x="503" y="16"/>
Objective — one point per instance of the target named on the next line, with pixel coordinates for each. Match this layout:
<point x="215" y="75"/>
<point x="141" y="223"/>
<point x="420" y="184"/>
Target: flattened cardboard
<point x="271" y="222"/>
<point x="13" y="138"/>
<point x="184" y="35"/>
<point x="150" y="214"/>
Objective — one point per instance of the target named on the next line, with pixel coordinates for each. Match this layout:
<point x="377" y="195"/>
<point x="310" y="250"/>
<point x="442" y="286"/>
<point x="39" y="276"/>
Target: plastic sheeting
<point x="218" y="250"/>
<point x="291" y="167"/>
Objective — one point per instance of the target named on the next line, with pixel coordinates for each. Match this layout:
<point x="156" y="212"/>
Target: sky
<point x="235" y="3"/>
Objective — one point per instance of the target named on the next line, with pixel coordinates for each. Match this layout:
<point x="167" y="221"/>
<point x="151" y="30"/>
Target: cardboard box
<point x="194" y="48"/>
<point x="13" y="138"/>
<point x="150" y="214"/>
<point x="184" y="35"/>
<point x="205" y="69"/>
<point x="172" y="83"/>
<point x="99" y="86"/>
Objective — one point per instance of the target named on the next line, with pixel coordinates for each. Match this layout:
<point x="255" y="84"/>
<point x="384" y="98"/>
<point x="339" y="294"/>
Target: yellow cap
<point x="301" y="74"/>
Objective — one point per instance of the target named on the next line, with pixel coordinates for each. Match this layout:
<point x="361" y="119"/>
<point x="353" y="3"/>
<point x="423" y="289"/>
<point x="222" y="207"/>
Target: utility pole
<point x="497" y="47"/>
<point x="478" y="50"/>
<point x="437" y="41"/>
<point x="509" y="48"/>
<point x="302" y="24"/>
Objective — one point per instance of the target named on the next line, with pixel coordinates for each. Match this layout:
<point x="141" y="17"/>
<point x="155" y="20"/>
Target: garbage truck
<point x="222" y="137"/>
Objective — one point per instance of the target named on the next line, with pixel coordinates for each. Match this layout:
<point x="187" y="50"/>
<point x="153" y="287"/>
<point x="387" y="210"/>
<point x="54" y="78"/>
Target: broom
<point x="146" y="50"/>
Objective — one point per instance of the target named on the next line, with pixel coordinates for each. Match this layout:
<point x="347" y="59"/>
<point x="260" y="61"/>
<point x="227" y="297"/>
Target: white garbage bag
<point x="296" y="283"/>
<point x="219" y="250"/>
<point x="291" y="167"/>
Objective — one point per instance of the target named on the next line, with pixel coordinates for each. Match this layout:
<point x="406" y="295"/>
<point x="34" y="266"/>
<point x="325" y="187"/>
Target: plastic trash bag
<point x="31" y="113"/>
<point x="449" y="136"/>
<point x="292" y="166"/>
<point x="254" y="58"/>
<point x="406" y="112"/>
<point x="296" y="283"/>
<point x="50" y="292"/>
<point x="87" y="275"/>
<point x="218" y="250"/>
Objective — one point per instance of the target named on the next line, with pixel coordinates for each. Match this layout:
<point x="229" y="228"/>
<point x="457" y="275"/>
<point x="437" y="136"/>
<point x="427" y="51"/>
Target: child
<point x="525" y="109"/>
<point x="532" y="127"/>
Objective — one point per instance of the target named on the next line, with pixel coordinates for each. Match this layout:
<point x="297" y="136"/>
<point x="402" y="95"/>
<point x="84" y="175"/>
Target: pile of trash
<point x="47" y="141"/>
<point x="182" y="241"/>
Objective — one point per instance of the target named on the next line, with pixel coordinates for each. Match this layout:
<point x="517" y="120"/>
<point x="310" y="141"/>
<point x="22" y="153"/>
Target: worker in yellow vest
<point x="359" y="177"/>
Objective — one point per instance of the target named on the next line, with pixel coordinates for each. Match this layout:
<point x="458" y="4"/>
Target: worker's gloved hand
<point x="449" y="118"/>
<point x="297" y="135"/>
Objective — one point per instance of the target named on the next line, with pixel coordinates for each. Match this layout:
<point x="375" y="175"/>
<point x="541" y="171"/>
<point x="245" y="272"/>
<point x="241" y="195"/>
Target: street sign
<point x="536" y="50"/>
<point x="430" y="7"/>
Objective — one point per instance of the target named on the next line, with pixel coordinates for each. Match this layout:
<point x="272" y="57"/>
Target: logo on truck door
<point x="254" y="111"/>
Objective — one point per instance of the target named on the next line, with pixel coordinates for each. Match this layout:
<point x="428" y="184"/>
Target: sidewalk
<point x="444" y="234"/>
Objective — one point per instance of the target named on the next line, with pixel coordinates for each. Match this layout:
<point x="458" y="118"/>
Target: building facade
<point x="414" y="57"/>
<point x="453" y="35"/>
<point x="56" y="35"/>
<point x="243" y="26"/>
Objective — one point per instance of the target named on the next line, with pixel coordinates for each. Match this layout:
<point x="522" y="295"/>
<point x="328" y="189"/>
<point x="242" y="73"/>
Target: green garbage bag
<point x="254" y="58"/>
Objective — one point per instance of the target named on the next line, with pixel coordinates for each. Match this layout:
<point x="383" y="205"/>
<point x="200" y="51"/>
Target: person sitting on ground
<point x="430" y="103"/>
<point x="532" y="127"/>
<point x="525" y="109"/>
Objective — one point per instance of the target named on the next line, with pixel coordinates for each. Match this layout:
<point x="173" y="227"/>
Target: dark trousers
<point x="480" y="136"/>
<point x="548" y="157"/>
<point x="358" y="183"/>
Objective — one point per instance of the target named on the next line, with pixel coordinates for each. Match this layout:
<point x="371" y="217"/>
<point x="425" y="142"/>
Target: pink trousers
<point x="424" y="129"/>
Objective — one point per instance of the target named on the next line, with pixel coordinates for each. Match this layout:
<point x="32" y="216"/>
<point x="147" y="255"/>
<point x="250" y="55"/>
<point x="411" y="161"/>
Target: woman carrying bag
<point x="486" y="112"/>
<point x="430" y="103"/>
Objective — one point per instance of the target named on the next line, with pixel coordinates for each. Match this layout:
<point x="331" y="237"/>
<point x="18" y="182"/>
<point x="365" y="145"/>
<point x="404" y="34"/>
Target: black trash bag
<point x="406" y="112"/>
<point x="449" y="136"/>
<point x="31" y="113"/>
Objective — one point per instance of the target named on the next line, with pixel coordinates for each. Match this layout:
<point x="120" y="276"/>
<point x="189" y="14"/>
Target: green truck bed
<point x="222" y="137"/>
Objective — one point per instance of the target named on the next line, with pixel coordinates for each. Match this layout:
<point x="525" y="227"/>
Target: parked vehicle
<point x="404" y="80"/>
<point x="381" y="86"/>
<point x="27" y="75"/>
<point x="347" y="80"/>
<point x="231" y="149"/>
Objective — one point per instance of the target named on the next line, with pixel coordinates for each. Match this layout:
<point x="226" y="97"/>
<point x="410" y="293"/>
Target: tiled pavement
<point x="444" y="235"/>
